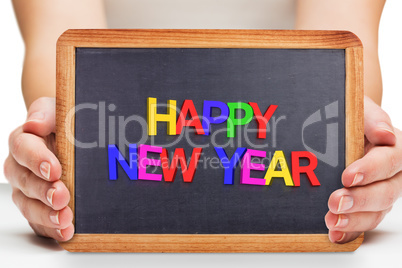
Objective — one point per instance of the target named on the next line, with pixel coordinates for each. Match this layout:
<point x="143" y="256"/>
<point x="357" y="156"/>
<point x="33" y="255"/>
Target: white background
<point x="20" y="248"/>
<point x="12" y="106"/>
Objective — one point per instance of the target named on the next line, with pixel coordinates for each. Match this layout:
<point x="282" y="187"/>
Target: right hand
<point x="34" y="172"/>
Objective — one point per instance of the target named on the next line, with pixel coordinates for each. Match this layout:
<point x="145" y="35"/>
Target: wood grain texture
<point x="65" y="108"/>
<point x="209" y="38"/>
<point x="206" y="243"/>
<point x="354" y="104"/>
<point x="65" y="102"/>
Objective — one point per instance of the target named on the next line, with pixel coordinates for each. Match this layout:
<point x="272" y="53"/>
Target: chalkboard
<point x="312" y="89"/>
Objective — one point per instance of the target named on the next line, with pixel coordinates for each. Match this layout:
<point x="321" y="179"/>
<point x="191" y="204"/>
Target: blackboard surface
<point x="299" y="81"/>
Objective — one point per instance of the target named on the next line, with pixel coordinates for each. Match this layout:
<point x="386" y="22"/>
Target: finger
<point x="354" y="222"/>
<point x="380" y="163"/>
<point x="54" y="194"/>
<point x="31" y="151"/>
<point x="341" y="237"/>
<point x="41" y="119"/>
<point x="377" y="196"/>
<point x="377" y="125"/>
<point x="57" y="234"/>
<point x="37" y="212"/>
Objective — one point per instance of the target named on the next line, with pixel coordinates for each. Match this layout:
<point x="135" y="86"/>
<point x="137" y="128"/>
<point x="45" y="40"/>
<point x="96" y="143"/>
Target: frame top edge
<point x="209" y="38"/>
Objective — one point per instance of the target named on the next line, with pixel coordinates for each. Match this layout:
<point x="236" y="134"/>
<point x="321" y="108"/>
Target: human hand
<point x="34" y="171"/>
<point x="372" y="183"/>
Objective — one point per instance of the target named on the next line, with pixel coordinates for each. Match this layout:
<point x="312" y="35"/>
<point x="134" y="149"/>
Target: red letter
<point x="188" y="107"/>
<point x="262" y="120"/>
<point x="169" y="173"/>
<point x="309" y="169"/>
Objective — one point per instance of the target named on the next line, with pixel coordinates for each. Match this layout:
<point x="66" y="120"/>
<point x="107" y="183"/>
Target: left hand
<point x="372" y="183"/>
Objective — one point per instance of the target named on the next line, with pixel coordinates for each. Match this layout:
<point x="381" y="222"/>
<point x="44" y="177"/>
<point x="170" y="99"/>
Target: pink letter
<point x="246" y="166"/>
<point x="144" y="161"/>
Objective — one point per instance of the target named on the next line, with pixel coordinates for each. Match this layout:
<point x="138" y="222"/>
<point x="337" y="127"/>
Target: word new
<point x="136" y="166"/>
<point x="202" y="126"/>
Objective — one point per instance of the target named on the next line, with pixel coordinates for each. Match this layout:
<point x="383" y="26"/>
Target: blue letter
<point x="130" y="168"/>
<point x="207" y="118"/>
<point x="230" y="165"/>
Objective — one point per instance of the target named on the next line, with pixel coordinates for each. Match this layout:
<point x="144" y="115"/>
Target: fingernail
<point x="345" y="203"/>
<point x="59" y="233"/>
<point x="45" y="170"/>
<point x="36" y="116"/>
<point x="54" y="217"/>
<point x="386" y="127"/>
<point x="340" y="239"/>
<point x="49" y="195"/>
<point x="342" y="221"/>
<point x="357" y="179"/>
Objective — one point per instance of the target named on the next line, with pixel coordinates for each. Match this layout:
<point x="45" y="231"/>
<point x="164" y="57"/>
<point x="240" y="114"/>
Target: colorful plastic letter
<point x="230" y="164"/>
<point x="144" y="161"/>
<point x="153" y="117"/>
<point x="233" y="121"/>
<point x="115" y="156"/>
<point x="247" y="165"/>
<point x="188" y="108"/>
<point x="169" y="173"/>
<point x="283" y="173"/>
<point x="207" y="118"/>
<point x="309" y="169"/>
<point x="262" y="121"/>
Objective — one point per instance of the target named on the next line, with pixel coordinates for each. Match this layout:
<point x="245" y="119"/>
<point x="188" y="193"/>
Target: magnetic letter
<point x="169" y="173"/>
<point x="115" y="156"/>
<point x="230" y="165"/>
<point x="144" y="161"/>
<point x="283" y="173"/>
<point x="262" y="121"/>
<point x="188" y="108"/>
<point x="207" y="118"/>
<point x="153" y="117"/>
<point x="309" y="169"/>
<point x="233" y="122"/>
<point x="247" y="165"/>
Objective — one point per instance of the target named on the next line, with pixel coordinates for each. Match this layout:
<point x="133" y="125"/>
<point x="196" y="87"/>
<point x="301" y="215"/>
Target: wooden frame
<point x="65" y="101"/>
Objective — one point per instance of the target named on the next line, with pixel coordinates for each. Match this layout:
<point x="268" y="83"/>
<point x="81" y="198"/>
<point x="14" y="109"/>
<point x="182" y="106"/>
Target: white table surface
<point x="19" y="247"/>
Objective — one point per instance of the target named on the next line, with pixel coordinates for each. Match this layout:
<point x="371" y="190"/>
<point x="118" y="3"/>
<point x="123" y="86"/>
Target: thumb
<point x="41" y="118"/>
<point x="378" y="128"/>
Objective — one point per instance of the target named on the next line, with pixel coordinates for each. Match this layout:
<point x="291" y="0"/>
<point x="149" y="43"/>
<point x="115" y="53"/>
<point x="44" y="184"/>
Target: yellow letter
<point x="283" y="173"/>
<point x="153" y="117"/>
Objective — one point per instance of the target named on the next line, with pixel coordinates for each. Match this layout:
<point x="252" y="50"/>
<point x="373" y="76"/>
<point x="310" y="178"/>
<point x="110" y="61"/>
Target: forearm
<point x="41" y="22"/>
<point x="38" y="76"/>
<point x="361" y="17"/>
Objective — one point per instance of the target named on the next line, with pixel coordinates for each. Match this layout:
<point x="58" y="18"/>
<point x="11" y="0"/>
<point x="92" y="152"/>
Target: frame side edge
<point x="65" y="114"/>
